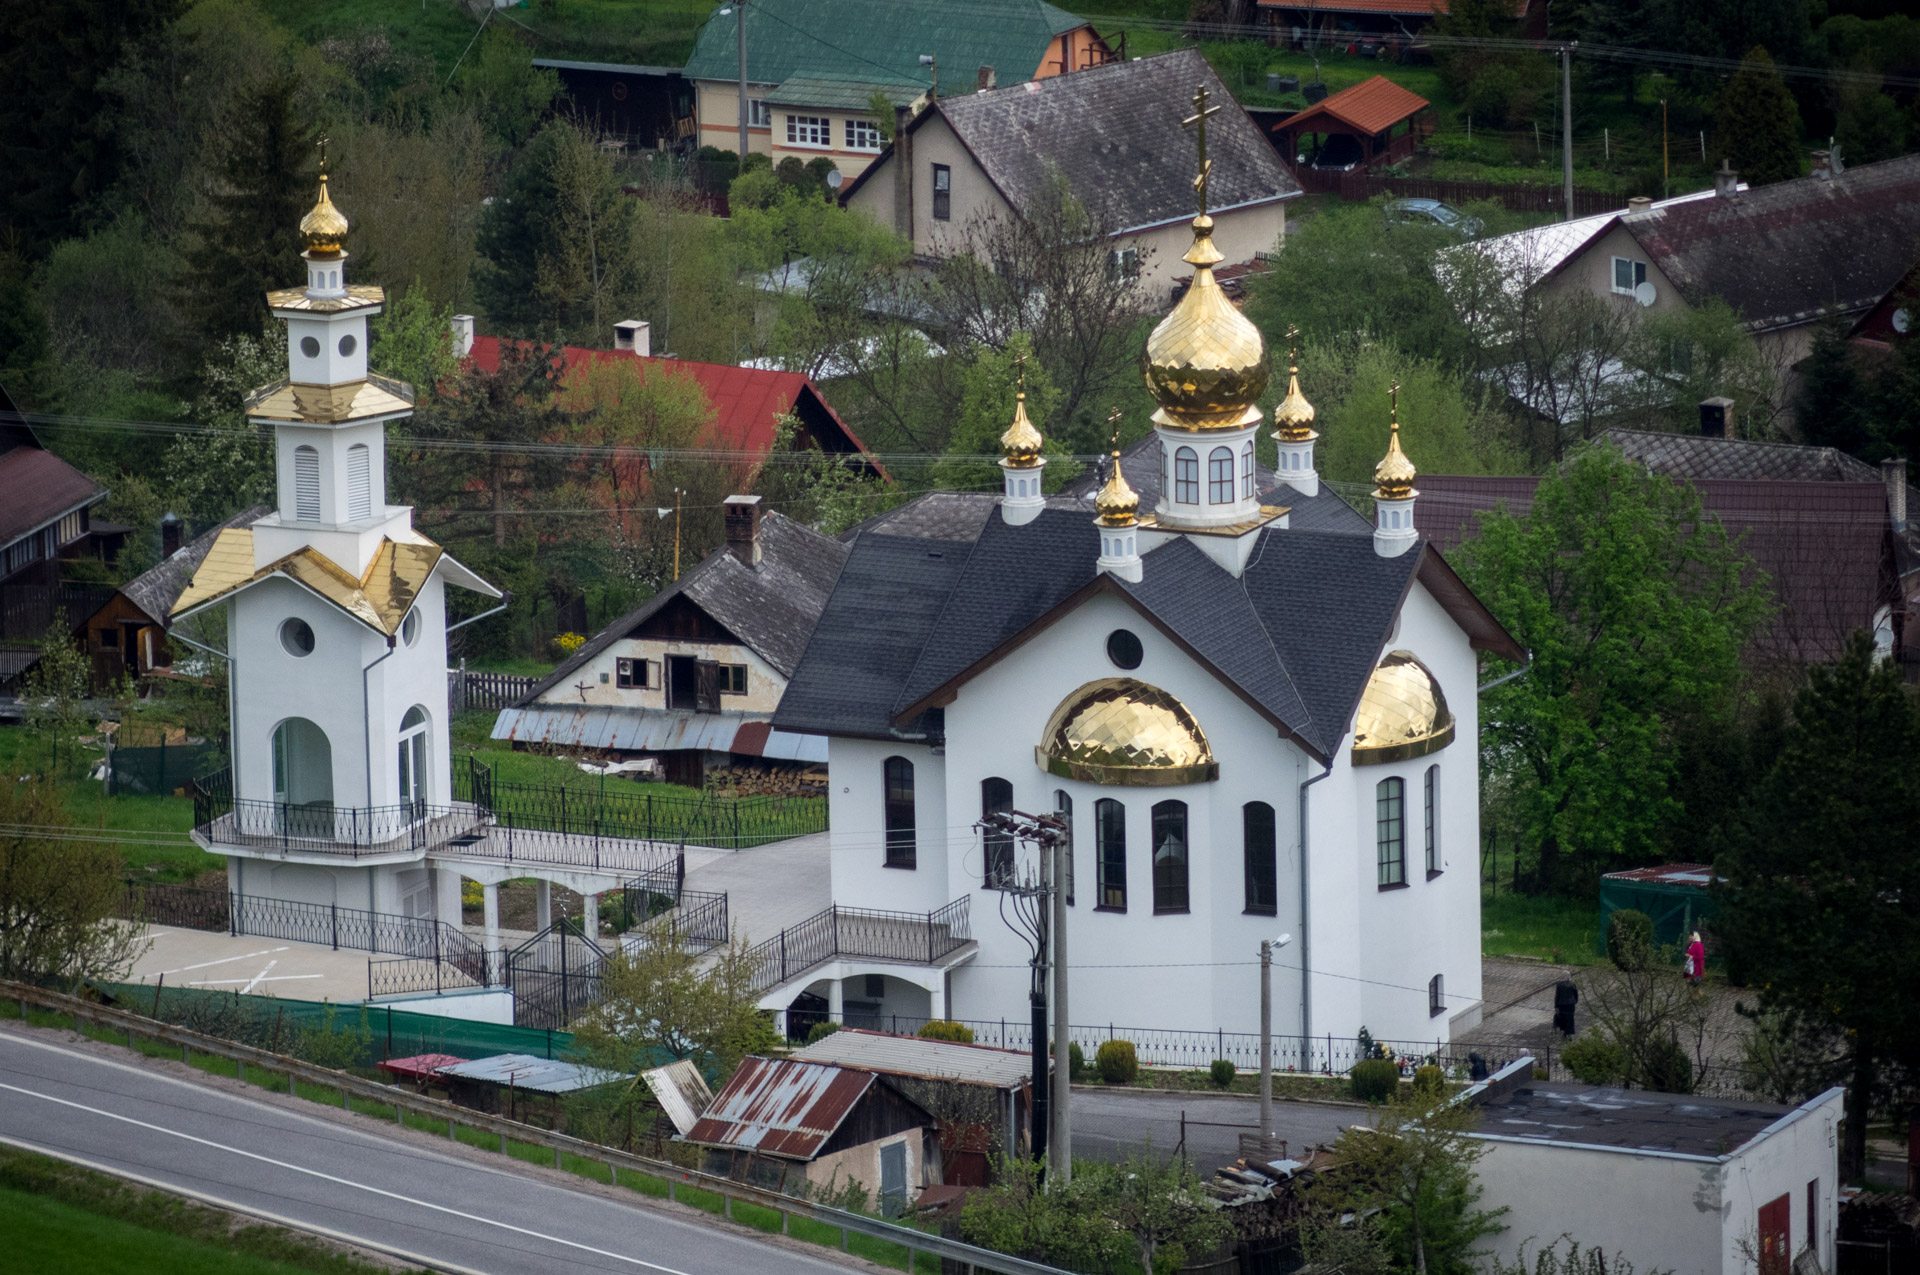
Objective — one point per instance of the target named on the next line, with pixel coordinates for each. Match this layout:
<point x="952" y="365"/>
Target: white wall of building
<point x="856" y="812"/>
<point x="765" y="685"/>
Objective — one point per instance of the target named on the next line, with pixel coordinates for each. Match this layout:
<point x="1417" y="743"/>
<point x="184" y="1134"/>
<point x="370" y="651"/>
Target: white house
<point x="1255" y="710"/>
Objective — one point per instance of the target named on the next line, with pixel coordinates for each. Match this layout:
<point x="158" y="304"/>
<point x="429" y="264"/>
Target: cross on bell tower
<point x="1198" y="122"/>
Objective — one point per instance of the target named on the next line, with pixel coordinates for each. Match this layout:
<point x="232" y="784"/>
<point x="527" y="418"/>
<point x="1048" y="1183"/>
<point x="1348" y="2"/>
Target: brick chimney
<point x="1823" y="165"/>
<point x="903" y="172"/>
<point x="462" y="335"/>
<point x="635" y="336"/>
<point x="171" y="529"/>
<point x="1716" y="418"/>
<point x="1894" y="473"/>
<point x="986" y="78"/>
<point x="1639" y="203"/>
<point x="743" y="528"/>
<point x="1726" y="182"/>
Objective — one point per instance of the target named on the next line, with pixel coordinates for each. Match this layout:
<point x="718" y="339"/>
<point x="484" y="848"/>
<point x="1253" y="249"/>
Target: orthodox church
<point x="1254" y="711"/>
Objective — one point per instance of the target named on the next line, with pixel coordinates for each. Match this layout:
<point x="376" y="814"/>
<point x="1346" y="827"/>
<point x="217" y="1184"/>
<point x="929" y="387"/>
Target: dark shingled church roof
<point x="155" y="590"/>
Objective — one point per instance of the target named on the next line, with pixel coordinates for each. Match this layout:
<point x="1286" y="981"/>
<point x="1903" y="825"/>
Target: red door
<point x="1776" y="1239"/>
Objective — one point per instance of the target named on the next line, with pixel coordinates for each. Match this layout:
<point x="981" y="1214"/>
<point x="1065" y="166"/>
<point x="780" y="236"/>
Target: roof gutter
<point x="1306" y="930"/>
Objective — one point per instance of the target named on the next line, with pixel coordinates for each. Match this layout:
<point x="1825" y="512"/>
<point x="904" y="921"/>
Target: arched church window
<point x="1220" y="476"/>
<point x="359" y="482"/>
<point x="1246" y="471"/>
<point x="1186" y="476"/>
<point x="302" y="779"/>
<point x="996" y="798"/>
<point x="898" y="773"/>
<point x="1110" y="849"/>
<point x="1170" y="849"/>
<point x="1390" y="830"/>
<point x="1258" y="848"/>
<point x="413" y="758"/>
<point x="306" y="483"/>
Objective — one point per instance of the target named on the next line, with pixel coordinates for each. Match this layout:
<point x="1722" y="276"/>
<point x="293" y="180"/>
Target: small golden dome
<point x="1120" y="730"/>
<point x="1116" y="502"/>
<point x="1393" y="476"/>
<point x="1020" y="445"/>
<point x="1403" y="713"/>
<point x="324" y="229"/>
<point x="1205" y="364"/>
<point x="1293" y="419"/>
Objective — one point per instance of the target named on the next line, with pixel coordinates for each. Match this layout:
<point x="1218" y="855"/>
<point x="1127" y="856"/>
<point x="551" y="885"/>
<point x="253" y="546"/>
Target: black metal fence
<point x="862" y="932"/>
<point x="555" y="976"/>
<point x="351" y="832"/>
<point x="631" y="811"/>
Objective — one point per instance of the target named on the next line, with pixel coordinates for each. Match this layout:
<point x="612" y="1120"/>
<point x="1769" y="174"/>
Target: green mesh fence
<point x="1676" y="910"/>
<point x="159" y="771"/>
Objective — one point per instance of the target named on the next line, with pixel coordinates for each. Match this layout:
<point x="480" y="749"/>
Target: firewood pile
<point x="772" y="780"/>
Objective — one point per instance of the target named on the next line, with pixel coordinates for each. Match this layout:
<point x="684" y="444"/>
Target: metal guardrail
<point x="402" y="1101"/>
<point x="348" y="832"/>
<point x="911" y="937"/>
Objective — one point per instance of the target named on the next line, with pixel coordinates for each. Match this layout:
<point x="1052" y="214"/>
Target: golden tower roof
<point x="1403" y="713"/>
<point x="1116" y="502"/>
<point x="1205" y="363"/>
<point x="1120" y="730"/>
<point x="1293" y="419"/>
<point x="323" y="230"/>
<point x="1020" y="445"/>
<point x="1393" y="476"/>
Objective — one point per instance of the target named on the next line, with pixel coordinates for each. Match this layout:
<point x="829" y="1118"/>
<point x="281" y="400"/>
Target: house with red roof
<point x="1373" y="123"/>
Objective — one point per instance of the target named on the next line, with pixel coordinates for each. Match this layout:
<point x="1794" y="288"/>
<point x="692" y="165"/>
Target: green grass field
<point x="166" y="858"/>
<point x="1551" y="929"/>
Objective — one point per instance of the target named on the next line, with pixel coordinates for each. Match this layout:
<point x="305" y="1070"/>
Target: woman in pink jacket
<point x="1696" y="960"/>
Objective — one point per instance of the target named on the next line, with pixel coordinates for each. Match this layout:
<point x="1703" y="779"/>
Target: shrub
<point x="1223" y="1070"/>
<point x="946" y="1029"/>
<point x="1666" y="1066"/>
<point x="1595" y="1060"/>
<point x="1630" y="939"/>
<point x="1429" y="1081"/>
<point x="1374" y="1080"/>
<point x="1076" y="1060"/>
<point x="1117" y="1062"/>
<point x="821" y="1030"/>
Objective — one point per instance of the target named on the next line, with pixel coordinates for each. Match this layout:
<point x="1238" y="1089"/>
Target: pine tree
<point x="251" y="242"/>
<point x="1832" y="407"/>
<point x="1757" y="124"/>
<point x="1869" y="125"/>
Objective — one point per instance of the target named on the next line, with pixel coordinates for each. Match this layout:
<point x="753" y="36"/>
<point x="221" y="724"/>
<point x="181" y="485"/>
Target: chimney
<point x="903" y="172"/>
<point x="1894" y="473"/>
<point x="1823" y="165"/>
<point x="1726" y="182"/>
<point x="1639" y="203"/>
<point x="986" y="78"/>
<point x="1716" y="418"/>
<point x="635" y="336"/>
<point x="462" y="335"/>
<point x="170" y="529"/>
<point x="743" y="528"/>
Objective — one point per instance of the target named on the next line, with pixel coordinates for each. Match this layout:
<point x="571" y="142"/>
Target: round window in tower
<point x="410" y="628"/>
<point x="348" y="345"/>
<point x="296" y="635"/>
<point x="1123" y="648"/>
<point x="309" y="347"/>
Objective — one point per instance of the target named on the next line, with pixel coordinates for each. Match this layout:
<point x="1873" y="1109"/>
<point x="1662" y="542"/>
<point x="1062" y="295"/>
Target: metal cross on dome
<point x="1199" y="117"/>
<point x="1020" y="369"/>
<point x="1113" y="419"/>
<point x="322" y="144"/>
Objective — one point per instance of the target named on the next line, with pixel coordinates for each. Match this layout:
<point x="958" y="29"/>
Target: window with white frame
<point x="942" y="193"/>
<point x="1246" y="471"/>
<point x="1433" y="821"/>
<point x="759" y="113"/>
<point x="1220" y="476"/>
<point x="1186" y="476"/>
<point x="809" y="130"/>
<point x="1123" y="263"/>
<point x="1628" y="274"/>
<point x="863" y="135"/>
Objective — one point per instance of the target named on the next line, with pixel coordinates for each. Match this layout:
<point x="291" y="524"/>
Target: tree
<point x="214" y="473"/>
<point x="986" y="408"/>
<point x="1820" y="898"/>
<point x="58" y="686"/>
<point x="1869" y="125"/>
<point x="414" y="191"/>
<point x="1634" y="607"/>
<point x="27" y="370"/>
<point x="1473" y="20"/>
<point x="1832" y="408"/>
<point x="1412" y="1169"/>
<point x="658" y="998"/>
<point x="1445" y="430"/>
<point x="508" y="91"/>
<point x="413" y="342"/>
<point x="59" y="893"/>
<point x="1144" y="1210"/>
<point x="1756" y="124"/>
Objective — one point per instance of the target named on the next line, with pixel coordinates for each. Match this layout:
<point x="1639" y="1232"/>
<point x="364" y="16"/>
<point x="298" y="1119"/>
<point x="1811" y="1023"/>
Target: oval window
<point x="296" y="635"/>
<point x="309" y="347"/>
<point x="410" y="628"/>
<point x="348" y="345"/>
<point x="1124" y="649"/>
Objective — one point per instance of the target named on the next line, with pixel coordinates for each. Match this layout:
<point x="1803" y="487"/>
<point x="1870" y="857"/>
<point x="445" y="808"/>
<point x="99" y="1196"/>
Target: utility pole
<point x="1267" y="948"/>
<point x="1030" y="897"/>
<point x="1566" y="124"/>
<point x="1665" y="189"/>
<point x="740" y="26"/>
<point x="676" y="533"/>
<point x="1060" y="1139"/>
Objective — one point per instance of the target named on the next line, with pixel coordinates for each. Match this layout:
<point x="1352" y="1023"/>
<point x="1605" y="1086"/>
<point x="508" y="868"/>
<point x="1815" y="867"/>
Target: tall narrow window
<point x="942" y="193"/>
<point x="1110" y="831"/>
<point x="1390" y="824"/>
<point x="1063" y="811"/>
<point x="1186" y="476"/>
<point x="1246" y="471"/>
<point x="359" y="483"/>
<point x="1263" y="877"/>
<point x="1436" y="996"/>
<point x="306" y="484"/>
<point x="996" y="798"/>
<point x="899" y="812"/>
<point x="1220" y="476"/>
<point x="1433" y="820"/>
<point x="1170" y="853"/>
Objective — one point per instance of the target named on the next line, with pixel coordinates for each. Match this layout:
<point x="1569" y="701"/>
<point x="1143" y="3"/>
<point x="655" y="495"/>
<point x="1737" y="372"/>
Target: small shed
<point x="980" y="1096"/>
<point x="1674" y="896"/>
<point x="681" y="1091"/>
<point x="788" y="1125"/>
<point x="422" y="1071"/>
<point x="1372" y="124"/>
<point x="520" y="1086"/>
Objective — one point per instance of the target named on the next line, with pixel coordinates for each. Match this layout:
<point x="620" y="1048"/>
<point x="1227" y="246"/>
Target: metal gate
<point x="555" y="976"/>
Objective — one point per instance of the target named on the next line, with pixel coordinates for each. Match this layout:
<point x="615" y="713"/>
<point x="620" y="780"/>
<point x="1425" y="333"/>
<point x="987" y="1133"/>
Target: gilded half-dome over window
<point x="1403" y="713"/>
<point x="1120" y="730"/>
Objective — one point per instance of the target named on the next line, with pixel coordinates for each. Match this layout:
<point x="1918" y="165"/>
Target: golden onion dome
<point x="1205" y="364"/>
<point x="1116" y="502"/>
<point x="1393" y="476"/>
<point x="1020" y="445"/>
<point x="1402" y="713"/>
<point x="1120" y="730"/>
<point x="1293" y="419"/>
<point x="324" y="229"/>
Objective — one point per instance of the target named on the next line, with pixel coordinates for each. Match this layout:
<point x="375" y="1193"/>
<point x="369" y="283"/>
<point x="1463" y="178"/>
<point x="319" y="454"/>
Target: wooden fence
<point x="485" y="690"/>
<point x="1361" y="185"/>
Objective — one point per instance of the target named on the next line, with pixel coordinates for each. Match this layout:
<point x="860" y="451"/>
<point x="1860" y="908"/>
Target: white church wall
<point x="412" y="674"/>
<point x="857" y="813"/>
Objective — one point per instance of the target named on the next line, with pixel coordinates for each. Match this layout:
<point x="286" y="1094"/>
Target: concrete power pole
<point x="1060" y="1143"/>
<point x="1566" y="124"/>
<point x="1267" y="948"/>
<point x="740" y="25"/>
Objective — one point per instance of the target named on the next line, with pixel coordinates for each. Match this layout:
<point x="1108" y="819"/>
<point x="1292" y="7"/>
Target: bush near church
<point x="1223" y="1071"/>
<point x="946" y="1029"/>
<point x="1117" y="1062"/>
<point x="1374" y="1080"/>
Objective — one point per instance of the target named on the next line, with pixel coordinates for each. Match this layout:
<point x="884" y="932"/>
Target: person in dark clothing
<point x="1565" y="997"/>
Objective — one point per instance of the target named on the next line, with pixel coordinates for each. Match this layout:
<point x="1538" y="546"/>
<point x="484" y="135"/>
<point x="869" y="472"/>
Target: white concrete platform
<point x="768" y="888"/>
<point x="218" y="961"/>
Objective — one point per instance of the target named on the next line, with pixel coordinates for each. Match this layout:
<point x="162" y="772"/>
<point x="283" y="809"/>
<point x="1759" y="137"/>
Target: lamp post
<point x="1267" y="948"/>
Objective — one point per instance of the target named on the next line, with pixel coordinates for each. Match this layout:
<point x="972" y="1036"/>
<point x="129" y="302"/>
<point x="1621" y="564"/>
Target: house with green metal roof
<point x="814" y="67"/>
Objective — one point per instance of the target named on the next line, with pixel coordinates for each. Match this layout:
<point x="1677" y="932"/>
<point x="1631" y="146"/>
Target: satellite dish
<point x="1902" y="319"/>
<point x="834" y="179"/>
<point x="1645" y="294"/>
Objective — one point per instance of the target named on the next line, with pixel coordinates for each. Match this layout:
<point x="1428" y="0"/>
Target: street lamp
<point x="1267" y="948"/>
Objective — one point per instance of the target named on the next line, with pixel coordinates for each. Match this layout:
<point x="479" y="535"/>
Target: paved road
<point x="383" y="1193"/>
<point x="1106" y="1126"/>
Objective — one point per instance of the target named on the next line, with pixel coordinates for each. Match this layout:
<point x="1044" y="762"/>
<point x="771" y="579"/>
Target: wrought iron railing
<point x="699" y="921"/>
<point x="911" y="937"/>
<point x="555" y="976"/>
<point x="345" y="831"/>
<point x="729" y="822"/>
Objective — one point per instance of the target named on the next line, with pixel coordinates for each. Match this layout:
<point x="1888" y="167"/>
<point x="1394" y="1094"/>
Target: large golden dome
<point x="1120" y="730"/>
<point x="1205" y="364"/>
<point x="1403" y="713"/>
<point x="323" y="231"/>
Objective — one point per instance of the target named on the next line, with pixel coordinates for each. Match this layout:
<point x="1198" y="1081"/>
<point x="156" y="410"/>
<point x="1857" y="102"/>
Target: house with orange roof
<point x="1372" y="124"/>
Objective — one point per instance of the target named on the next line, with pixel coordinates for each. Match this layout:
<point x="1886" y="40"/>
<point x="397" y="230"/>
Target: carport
<point x="1372" y="124"/>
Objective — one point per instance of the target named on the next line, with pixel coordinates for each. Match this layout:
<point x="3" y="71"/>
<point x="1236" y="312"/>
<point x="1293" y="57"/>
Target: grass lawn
<point x="1552" y="929"/>
<point x="438" y="29"/>
<point x="167" y="858"/>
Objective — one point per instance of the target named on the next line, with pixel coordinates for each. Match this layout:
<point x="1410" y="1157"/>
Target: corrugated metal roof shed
<point x="655" y="730"/>
<point x="781" y="1107"/>
<point x="420" y="1066"/>
<point x="536" y="1075"/>
<point x="1699" y="875"/>
<point x="681" y="1091"/>
<point x="913" y="1056"/>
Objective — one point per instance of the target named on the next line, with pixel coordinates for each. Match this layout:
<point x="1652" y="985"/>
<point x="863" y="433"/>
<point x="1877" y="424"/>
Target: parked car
<point x="1431" y="212"/>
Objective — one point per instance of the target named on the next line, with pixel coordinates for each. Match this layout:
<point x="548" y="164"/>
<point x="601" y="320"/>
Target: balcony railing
<point x="913" y="938"/>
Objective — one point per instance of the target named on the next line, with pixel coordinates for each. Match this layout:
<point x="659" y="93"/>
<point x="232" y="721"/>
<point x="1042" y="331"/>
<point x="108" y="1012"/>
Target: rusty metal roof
<point x="781" y="1107"/>
<point x="681" y="1091"/>
<point x="1694" y="875"/>
<point x="655" y="730"/>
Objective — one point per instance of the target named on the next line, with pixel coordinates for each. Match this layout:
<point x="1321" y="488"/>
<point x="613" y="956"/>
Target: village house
<point x="1113" y="134"/>
<point x="814" y="67"/>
